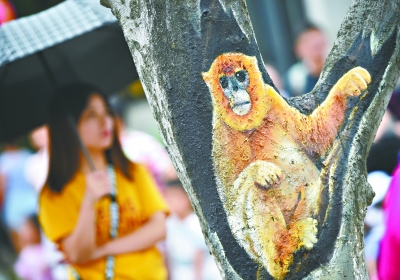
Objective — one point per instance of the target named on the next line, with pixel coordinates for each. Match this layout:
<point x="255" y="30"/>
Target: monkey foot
<point x="306" y="230"/>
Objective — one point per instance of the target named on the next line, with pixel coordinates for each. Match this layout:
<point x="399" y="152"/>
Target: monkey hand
<point x="353" y="82"/>
<point x="306" y="231"/>
<point x="265" y="174"/>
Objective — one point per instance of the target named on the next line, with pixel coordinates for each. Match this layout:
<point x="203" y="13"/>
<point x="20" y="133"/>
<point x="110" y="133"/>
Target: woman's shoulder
<point x="136" y="169"/>
<point x="72" y="188"/>
<point x="140" y="172"/>
<point x="139" y="175"/>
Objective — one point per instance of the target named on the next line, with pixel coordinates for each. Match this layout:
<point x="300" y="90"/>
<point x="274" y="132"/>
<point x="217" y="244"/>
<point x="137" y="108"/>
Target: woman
<point x="107" y="221"/>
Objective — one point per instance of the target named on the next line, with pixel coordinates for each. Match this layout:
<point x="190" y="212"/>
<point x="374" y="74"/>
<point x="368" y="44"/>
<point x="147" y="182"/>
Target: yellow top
<point x="138" y="200"/>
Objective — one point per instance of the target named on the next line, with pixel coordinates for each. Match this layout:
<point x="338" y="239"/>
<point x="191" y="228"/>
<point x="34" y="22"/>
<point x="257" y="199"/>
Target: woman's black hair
<point x="64" y="145"/>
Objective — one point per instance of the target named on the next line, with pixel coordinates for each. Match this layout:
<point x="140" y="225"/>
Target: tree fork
<point x="174" y="42"/>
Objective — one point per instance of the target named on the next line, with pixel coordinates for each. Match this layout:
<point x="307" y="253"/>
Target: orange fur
<point x="268" y="185"/>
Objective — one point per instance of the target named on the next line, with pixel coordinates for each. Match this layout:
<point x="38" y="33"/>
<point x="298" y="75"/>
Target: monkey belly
<point x="265" y="220"/>
<point x="259" y="226"/>
<point x="299" y="174"/>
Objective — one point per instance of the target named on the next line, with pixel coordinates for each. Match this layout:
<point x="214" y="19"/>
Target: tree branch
<point x="174" y="42"/>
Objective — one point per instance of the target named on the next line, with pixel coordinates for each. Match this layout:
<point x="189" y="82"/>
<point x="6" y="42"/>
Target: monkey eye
<point x="241" y="76"/>
<point x="224" y="82"/>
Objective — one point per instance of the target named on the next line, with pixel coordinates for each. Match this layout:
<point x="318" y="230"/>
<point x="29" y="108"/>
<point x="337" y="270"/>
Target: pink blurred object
<point x="32" y="264"/>
<point x="7" y="12"/>
<point x="143" y="148"/>
<point x="389" y="255"/>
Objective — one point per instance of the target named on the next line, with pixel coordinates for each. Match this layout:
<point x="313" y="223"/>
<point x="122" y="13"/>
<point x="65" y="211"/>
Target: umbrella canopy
<point x="75" y="41"/>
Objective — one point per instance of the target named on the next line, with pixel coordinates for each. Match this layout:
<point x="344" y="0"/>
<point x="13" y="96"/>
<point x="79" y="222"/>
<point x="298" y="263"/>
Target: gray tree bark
<point x="173" y="42"/>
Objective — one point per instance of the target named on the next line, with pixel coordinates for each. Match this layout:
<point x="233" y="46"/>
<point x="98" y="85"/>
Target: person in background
<point x="188" y="257"/>
<point x="2" y="188"/>
<point x="36" y="169"/>
<point x="389" y="257"/>
<point x="15" y="189"/>
<point x="37" y="165"/>
<point x="381" y="164"/>
<point x="7" y="252"/>
<point x="394" y="108"/>
<point x="311" y="50"/>
<point x="141" y="147"/>
<point x="7" y="249"/>
<point x="374" y="220"/>
<point x="386" y="145"/>
<point x="276" y="79"/>
<point x="31" y="263"/>
<point x="106" y="221"/>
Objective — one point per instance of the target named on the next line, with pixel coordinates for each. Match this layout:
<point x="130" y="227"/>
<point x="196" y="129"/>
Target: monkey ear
<point x="206" y="77"/>
<point x="253" y="59"/>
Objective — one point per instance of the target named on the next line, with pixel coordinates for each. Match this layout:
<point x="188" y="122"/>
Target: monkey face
<point x="235" y="90"/>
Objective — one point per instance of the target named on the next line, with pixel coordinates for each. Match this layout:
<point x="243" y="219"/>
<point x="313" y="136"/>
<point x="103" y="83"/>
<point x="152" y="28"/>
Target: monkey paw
<point x="265" y="174"/>
<point x="306" y="231"/>
<point x="353" y="82"/>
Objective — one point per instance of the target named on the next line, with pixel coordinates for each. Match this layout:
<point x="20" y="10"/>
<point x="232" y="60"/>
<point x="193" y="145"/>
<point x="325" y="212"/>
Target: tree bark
<point x="174" y="42"/>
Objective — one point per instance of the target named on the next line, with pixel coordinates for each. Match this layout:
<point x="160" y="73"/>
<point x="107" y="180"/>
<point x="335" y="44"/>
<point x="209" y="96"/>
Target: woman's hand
<point x="144" y="237"/>
<point x="98" y="252"/>
<point x="80" y="245"/>
<point x="97" y="185"/>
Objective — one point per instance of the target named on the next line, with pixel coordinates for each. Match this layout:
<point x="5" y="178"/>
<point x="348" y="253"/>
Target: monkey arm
<point x="231" y="152"/>
<point x="265" y="174"/>
<point x="317" y="131"/>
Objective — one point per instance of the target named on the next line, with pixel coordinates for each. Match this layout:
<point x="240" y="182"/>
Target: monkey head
<point x="235" y="90"/>
<point x="239" y="93"/>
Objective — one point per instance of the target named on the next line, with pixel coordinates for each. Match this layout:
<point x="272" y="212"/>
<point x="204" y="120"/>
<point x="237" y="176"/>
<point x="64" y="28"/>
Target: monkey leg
<point x="303" y="227"/>
<point x="255" y="178"/>
<point x="252" y="182"/>
<point x="256" y="219"/>
<point x="267" y="230"/>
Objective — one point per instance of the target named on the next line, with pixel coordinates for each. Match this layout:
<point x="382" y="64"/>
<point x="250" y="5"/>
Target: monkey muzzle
<point x="235" y="90"/>
<point x="240" y="102"/>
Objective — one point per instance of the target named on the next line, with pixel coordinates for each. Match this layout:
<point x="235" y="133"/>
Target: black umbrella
<point x="77" y="40"/>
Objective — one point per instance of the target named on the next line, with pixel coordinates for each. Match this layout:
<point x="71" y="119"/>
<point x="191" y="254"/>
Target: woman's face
<point x="96" y="125"/>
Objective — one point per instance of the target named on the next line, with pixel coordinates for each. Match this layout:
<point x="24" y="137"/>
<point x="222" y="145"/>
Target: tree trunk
<point x="311" y="150"/>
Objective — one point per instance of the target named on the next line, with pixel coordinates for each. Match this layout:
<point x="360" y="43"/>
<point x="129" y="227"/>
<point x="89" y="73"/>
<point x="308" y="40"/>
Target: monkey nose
<point x="235" y="87"/>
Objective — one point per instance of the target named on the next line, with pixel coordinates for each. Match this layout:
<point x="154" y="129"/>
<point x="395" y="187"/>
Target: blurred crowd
<point x="25" y="253"/>
<point x="381" y="223"/>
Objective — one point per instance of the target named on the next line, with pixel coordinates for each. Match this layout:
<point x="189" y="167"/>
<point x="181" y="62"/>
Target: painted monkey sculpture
<point x="269" y="186"/>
